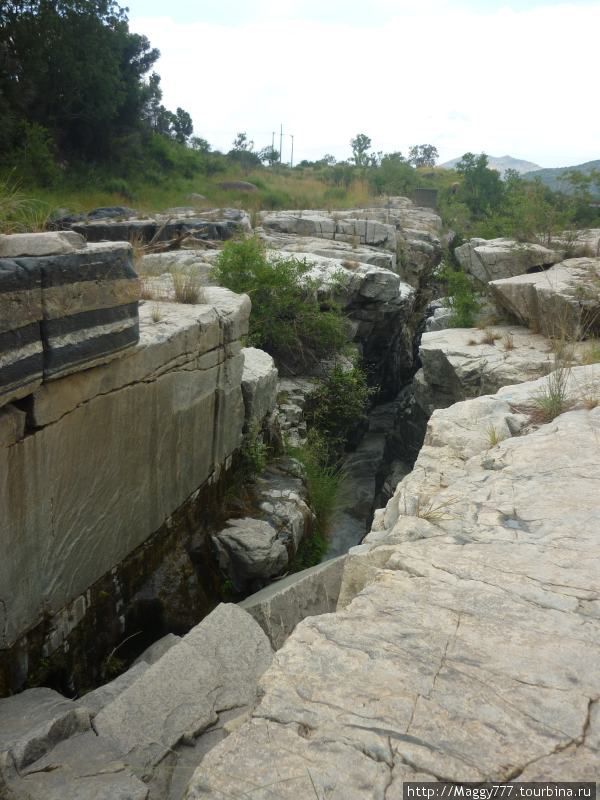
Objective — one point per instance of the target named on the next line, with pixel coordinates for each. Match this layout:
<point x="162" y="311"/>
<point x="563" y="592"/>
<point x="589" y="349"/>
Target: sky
<point x="504" y="77"/>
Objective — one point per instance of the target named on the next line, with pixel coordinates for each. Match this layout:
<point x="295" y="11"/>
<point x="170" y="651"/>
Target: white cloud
<point x="523" y="83"/>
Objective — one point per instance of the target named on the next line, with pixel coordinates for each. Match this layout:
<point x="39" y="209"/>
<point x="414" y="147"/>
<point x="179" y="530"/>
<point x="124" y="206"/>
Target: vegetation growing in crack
<point x="288" y="319"/>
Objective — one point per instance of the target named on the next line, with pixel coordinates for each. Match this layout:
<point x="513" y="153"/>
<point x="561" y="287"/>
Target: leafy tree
<point x="360" y="146"/>
<point x="393" y="175"/>
<point x="482" y="189"/>
<point x="200" y="144"/>
<point x="269" y="155"/>
<point x="423" y="155"/>
<point x="74" y="68"/>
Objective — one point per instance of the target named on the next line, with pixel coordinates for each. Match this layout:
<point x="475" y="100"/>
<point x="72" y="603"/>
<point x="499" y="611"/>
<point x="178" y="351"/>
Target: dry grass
<point x="508" y="341"/>
<point x="591" y="353"/>
<point x="494" y="437"/>
<point x="428" y="509"/>
<point x="187" y="286"/>
<point x="553" y="398"/>
<point x="490" y="337"/>
<point x="156" y="313"/>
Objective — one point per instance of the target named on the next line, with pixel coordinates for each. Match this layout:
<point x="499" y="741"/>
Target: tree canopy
<point x="74" y="69"/>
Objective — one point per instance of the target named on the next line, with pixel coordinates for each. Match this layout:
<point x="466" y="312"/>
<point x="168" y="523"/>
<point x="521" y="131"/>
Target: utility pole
<point x="280" y="141"/>
<point x="292" y="158"/>
<point x="272" y="142"/>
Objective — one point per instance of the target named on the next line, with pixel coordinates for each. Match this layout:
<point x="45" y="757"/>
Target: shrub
<point x="322" y="479"/>
<point x="338" y="405"/>
<point x="287" y="319"/>
<point x="461" y="298"/>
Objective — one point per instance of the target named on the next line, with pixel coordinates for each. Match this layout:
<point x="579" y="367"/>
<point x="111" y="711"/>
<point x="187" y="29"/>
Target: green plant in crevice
<point x="338" y="405"/>
<point x="288" y="320"/>
<point x="461" y="297"/>
<point x="254" y="453"/>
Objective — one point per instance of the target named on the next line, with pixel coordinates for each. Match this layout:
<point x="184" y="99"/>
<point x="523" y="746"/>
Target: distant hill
<point x="551" y="176"/>
<point x="501" y="163"/>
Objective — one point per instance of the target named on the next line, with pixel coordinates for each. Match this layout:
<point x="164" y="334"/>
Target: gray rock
<point x="249" y="550"/>
<point x="17" y="245"/>
<point x="215" y="667"/>
<point x="33" y="722"/>
<point x="157" y="650"/>
<point x="494" y="259"/>
<point x="85" y="767"/>
<point x="259" y="384"/>
<point x="563" y="302"/>
<point x="95" y="700"/>
<point x="443" y="662"/>
<point x="111" y="212"/>
<point x="278" y="608"/>
<point x="21" y="348"/>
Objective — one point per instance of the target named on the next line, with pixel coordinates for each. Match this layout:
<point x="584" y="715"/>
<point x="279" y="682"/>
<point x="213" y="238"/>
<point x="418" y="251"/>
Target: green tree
<point x="423" y="155"/>
<point x="360" y="149"/>
<point x="482" y="189"/>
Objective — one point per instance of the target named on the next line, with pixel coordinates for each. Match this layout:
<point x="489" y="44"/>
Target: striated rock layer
<point x="101" y="460"/>
<point x="465" y="645"/>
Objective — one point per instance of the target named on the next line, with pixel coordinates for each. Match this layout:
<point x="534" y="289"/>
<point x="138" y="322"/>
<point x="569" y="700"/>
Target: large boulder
<point x="493" y="259"/>
<point x="250" y="552"/>
<point x="563" y="302"/>
<point x="215" y="667"/>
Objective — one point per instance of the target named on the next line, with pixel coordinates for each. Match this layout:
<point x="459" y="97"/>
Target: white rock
<point x="492" y="259"/>
<point x="16" y="245"/>
<point x="563" y="302"/>
<point x="259" y="384"/>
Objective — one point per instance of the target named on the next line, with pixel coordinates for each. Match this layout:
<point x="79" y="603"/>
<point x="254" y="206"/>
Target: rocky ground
<point x="459" y="641"/>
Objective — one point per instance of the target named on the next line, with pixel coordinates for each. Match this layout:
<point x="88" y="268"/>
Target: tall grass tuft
<point x="553" y="398"/>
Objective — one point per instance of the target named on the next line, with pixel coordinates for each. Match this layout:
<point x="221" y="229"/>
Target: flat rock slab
<point x="443" y="663"/>
<point x="563" y="302"/>
<point x="85" y="767"/>
<point x="215" y="667"/>
<point x="33" y="722"/>
<point x="40" y="244"/>
<point x="278" y="608"/>
<point x="493" y="259"/>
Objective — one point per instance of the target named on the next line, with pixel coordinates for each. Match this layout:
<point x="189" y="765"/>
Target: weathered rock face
<point x="111" y="453"/>
<point x="563" y="302"/>
<point x="404" y="230"/>
<point x="493" y="259"/>
<point x="441" y="662"/>
<point x="459" y="363"/>
<point x="65" y="309"/>
<point x="259" y="385"/>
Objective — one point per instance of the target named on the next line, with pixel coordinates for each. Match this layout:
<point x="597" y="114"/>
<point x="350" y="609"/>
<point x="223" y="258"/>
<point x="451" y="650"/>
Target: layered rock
<point x="112" y="453"/>
<point x="494" y="259"/>
<point x="64" y="308"/>
<point x="441" y="662"/>
<point x="563" y="302"/>
<point x="459" y="363"/>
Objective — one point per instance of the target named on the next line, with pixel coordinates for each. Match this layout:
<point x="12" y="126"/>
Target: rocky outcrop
<point x="441" y="662"/>
<point x="210" y="224"/>
<point x="459" y="363"/>
<point x="110" y="454"/>
<point x="493" y="259"/>
<point x="62" y="309"/>
<point x="563" y="302"/>
<point x="410" y="233"/>
<point x="144" y="735"/>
